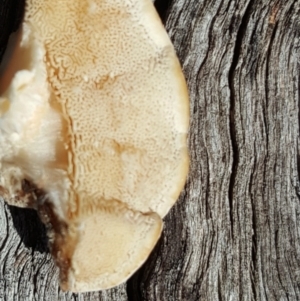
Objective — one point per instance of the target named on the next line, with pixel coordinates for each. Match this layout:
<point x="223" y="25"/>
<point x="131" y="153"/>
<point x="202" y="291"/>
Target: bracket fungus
<point x="93" y="123"/>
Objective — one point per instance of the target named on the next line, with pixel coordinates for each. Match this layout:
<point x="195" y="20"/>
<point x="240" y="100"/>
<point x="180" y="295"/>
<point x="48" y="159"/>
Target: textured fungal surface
<point x="94" y="112"/>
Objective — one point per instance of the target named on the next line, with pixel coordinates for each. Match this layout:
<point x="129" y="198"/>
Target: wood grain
<point x="234" y="233"/>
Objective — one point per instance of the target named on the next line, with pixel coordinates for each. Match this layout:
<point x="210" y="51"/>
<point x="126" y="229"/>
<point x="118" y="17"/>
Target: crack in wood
<point x="12" y="12"/>
<point x="233" y="135"/>
<point x="162" y="7"/>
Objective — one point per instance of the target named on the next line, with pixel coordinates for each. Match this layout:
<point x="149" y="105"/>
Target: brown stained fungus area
<point x="62" y="239"/>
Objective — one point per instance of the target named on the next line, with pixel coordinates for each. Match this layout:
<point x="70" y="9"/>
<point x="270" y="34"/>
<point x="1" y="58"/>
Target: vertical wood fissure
<point x="231" y="75"/>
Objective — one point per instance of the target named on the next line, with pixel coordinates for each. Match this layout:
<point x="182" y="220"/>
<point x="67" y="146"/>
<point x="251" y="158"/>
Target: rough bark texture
<point x="234" y="233"/>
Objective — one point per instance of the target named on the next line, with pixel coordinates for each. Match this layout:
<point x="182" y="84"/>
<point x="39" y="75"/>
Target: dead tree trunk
<point x="235" y="232"/>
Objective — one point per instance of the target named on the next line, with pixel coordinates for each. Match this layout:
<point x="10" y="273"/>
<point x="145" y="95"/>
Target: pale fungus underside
<point x="94" y="113"/>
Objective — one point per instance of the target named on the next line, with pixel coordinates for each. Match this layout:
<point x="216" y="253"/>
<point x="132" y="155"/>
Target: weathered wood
<point x="234" y="233"/>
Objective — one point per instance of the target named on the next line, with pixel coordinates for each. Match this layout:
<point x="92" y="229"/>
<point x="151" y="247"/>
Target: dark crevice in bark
<point x="207" y="207"/>
<point x="30" y="229"/>
<point x="130" y="290"/>
<point x="162" y="7"/>
<point x="298" y="142"/>
<point x="141" y="278"/>
<point x="268" y="55"/>
<point x="220" y="288"/>
<point x="254" y="235"/>
<point x="10" y="21"/>
<point x="233" y="130"/>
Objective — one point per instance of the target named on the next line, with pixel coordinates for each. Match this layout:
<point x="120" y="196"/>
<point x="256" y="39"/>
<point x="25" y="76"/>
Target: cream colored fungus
<point x="94" y="111"/>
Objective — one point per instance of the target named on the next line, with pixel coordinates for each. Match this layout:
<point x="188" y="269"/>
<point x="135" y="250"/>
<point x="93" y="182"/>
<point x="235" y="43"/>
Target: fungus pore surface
<point x="94" y="113"/>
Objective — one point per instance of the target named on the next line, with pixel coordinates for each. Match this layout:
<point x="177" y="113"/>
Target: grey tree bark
<point x="234" y="234"/>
